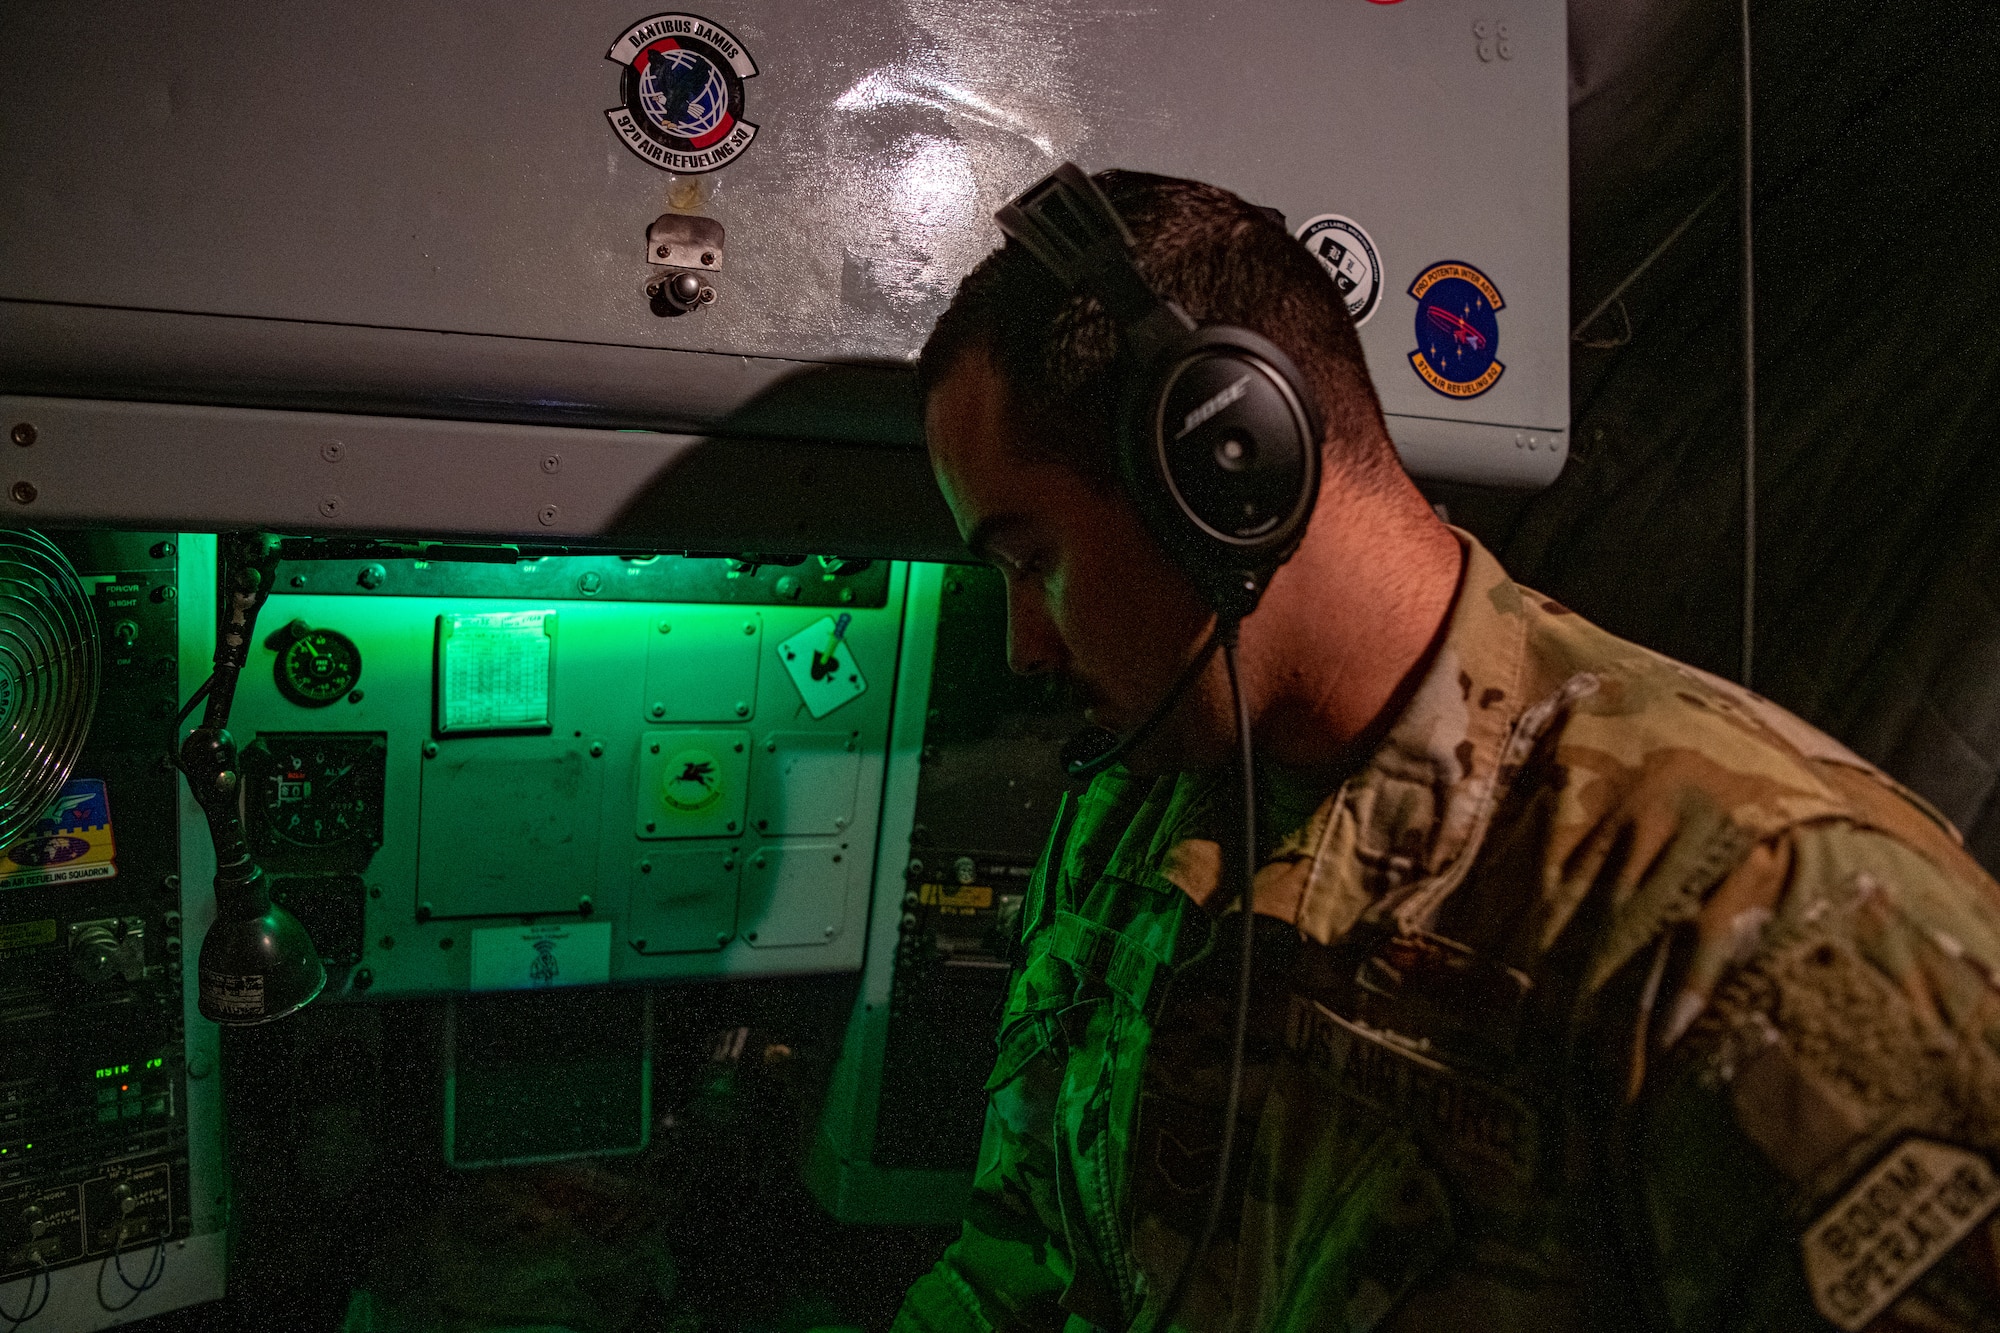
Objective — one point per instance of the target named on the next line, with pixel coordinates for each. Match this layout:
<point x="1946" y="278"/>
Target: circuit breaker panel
<point x="110" y="1201"/>
<point x="569" y="770"/>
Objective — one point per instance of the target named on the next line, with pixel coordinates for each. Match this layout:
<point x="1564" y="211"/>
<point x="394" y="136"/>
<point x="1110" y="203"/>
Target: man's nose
<point x="1034" y="648"/>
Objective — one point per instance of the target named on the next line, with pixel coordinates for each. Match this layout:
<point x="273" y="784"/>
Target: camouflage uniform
<point x="1604" y="995"/>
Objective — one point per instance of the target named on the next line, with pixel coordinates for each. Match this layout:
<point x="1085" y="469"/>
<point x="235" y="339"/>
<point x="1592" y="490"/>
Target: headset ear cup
<point x="1220" y="450"/>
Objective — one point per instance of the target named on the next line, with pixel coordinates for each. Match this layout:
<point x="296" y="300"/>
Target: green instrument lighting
<point x="157" y="1062"/>
<point x="115" y="1071"/>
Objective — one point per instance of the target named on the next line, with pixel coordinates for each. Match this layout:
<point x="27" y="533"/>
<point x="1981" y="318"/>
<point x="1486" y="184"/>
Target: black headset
<point x="1218" y="433"/>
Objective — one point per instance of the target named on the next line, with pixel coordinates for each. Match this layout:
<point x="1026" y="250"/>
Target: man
<point x="1591" y="991"/>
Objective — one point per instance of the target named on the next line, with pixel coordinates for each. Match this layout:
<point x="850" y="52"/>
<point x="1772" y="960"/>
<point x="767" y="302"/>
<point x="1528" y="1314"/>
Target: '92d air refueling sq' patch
<point x="1898" y="1220"/>
<point x="683" y="93"/>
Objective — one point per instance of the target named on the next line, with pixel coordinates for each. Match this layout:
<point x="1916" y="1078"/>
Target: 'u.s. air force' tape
<point x="1898" y="1220"/>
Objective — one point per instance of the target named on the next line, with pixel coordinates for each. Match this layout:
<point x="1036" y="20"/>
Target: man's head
<point x="1022" y="383"/>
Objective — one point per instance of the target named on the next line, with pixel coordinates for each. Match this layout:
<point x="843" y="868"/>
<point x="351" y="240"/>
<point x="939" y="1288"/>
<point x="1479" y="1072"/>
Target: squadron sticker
<point x="691" y="782"/>
<point x="682" y="93"/>
<point x="1349" y="256"/>
<point x="1458" y="330"/>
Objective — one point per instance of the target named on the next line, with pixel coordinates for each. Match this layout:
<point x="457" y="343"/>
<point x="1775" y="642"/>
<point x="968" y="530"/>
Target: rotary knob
<point x="36" y="1222"/>
<point x="93" y="953"/>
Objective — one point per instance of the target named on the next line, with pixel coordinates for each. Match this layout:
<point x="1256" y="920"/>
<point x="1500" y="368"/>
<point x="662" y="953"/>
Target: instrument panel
<point x="570" y="770"/>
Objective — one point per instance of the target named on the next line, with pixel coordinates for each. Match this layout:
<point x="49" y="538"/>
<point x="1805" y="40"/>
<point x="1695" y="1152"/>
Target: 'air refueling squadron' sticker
<point x="1349" y="256"/>
<point x="1458" y="330"/>
<point x="682" y="107"/>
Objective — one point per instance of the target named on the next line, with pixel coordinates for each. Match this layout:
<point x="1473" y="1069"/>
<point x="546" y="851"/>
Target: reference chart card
<point x="494" y="671"/>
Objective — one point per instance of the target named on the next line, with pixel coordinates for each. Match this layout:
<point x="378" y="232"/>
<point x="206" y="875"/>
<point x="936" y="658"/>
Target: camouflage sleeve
<point x="1812" y="1103"/>
<point x="1006" y="1269"/>
<point x="1009" y="1267"/>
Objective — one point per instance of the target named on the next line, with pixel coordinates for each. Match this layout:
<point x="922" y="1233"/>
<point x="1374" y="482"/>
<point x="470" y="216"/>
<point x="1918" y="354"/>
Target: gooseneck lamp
<point x="257" y="962"/>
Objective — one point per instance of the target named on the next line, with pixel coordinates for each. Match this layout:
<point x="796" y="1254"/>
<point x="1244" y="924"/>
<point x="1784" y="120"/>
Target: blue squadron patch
<point x="1458" y="330"/>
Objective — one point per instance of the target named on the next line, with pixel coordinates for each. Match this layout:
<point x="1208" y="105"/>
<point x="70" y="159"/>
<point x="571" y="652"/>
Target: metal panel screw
<point x="552" y="464"/>
<point x="596" y="750"/>
<point x="371" y="577"/>
<point x="742" y="709"/>
<point x="645" y="867"/>
<point x="722" y="937"/>
<point x="657" y="710"/>
<point x="749" y="627"/>
<point x="708" y="256"/>
<point x="329" y="506"/>
<point x="829" y="932"/>
<point x="24" y="433"/>
<point x="547" y="515"/>
<point x="666" y="627"/>
<point x="430" y="749"/>
<point x="330" y="451"/>
<point x="590" y="582"/>
<point x="24" y="492"/>
<point x="660" y="252"/>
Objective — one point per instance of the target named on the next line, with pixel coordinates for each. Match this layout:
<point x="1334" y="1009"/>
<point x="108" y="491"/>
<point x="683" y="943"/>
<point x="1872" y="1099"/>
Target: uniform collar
<point x="1405" y="826"/>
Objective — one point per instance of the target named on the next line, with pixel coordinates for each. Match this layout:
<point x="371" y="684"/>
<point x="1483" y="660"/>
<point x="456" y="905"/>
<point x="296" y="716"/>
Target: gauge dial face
<point x="318" y="667"/>
<point x="320" y="791"/>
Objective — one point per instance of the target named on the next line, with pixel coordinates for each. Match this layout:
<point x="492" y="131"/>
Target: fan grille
<point x="49" y="671"/>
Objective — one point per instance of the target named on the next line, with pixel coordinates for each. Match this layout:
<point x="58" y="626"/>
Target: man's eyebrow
<point x="980" y="540"/>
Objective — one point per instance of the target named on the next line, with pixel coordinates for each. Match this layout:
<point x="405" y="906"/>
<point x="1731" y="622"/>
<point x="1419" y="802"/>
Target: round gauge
<point x="318" y="667"/>
<point x="317" y="792"/>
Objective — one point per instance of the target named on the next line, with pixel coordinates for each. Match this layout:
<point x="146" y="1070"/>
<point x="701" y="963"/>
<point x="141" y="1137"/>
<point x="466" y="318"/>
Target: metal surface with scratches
<point x="420" y="210"/>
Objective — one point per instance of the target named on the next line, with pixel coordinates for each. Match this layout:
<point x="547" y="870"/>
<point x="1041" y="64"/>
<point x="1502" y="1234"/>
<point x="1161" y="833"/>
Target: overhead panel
<point x="736" y="220"/>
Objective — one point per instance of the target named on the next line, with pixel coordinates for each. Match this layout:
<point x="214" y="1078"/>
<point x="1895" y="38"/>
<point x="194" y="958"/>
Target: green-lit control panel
<point x="574" y="770"/>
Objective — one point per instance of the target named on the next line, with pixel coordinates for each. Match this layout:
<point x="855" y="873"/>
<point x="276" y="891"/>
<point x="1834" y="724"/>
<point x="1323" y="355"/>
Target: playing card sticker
<point x="821" y="663"/>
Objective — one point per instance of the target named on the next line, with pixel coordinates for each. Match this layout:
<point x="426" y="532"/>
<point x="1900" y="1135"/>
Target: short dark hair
<point x="1223" y="260"/>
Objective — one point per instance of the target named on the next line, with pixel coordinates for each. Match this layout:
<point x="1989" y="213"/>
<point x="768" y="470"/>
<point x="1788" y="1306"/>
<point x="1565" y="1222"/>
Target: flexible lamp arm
<point x="257" y="962"/>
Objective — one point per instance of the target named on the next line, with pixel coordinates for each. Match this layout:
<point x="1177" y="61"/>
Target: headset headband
<point x="1066" y="222"/>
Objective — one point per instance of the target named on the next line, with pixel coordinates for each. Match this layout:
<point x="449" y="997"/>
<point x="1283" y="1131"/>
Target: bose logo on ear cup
<point x="1208" y="409"/>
